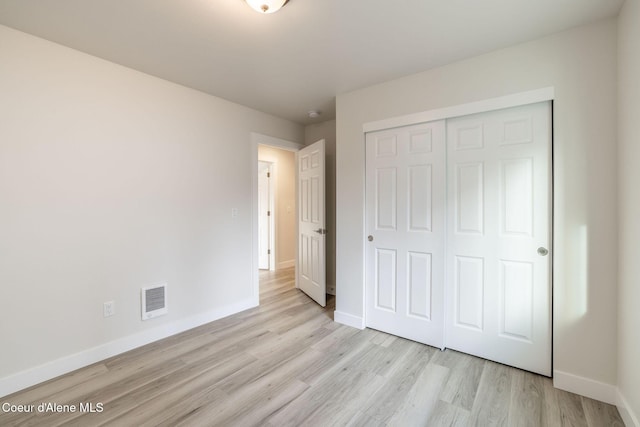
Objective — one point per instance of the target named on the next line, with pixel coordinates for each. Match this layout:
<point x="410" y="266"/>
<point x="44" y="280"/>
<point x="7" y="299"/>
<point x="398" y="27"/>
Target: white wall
<point x="285" y="202"/>
<point x="110" y="180"/>
<point x="327" y="131"/>
<point x="581" y="65"/>
<point x="629" y="203"/>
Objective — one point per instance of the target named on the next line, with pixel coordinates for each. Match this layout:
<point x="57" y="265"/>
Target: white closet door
<point x="405" y="209"/>
<point x="498" y="236"/>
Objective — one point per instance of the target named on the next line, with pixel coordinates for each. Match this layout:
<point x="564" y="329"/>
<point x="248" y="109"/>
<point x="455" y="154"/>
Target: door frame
<point x="271" y="170"/>
<point x="256" y="139"/>
<point x="483" y="106"/>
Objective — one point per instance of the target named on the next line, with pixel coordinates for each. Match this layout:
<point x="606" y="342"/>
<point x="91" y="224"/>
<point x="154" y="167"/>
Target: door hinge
<point x="268" y="213"/>
<point x="268" y="174"/>
<point x="268" y="251"/>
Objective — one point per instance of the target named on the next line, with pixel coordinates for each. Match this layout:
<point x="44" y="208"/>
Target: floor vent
<point x="154" y="301"/>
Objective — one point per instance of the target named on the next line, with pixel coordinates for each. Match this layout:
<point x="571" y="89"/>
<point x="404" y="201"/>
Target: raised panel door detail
<point x="315" y="199"/>
<point x="386" y="146"/>
<point x="305" y="257"/>
<point x="315" y="253"/>
<point x="420" y="197"/>
<point x="469" y="137"/>
<point x="469" y="292"/>
<point x="516" y="299"/>
<point x="304" y="163"/>
<point x="305" y="200"/>
<point x="315" y="159"/>
<point x="420" y="142"/>
<point x="420" y="285"/>
<point x="517" y="131"/>
<point x="386" y="198"/>
<point x="469" y="208"/>
<point x="386" y="265"/>
<point x="517" y="196"/>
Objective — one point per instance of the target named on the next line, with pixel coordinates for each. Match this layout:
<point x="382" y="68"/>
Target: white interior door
<point x="498" y="236"/>
<point x="405" y="223"/>
<point x="264" y="216"/>
<point x="311" y="222"/>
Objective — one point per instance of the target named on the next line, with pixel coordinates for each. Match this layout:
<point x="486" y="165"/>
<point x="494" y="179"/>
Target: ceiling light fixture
<point x="313" y="114"/>
<point x="266" y="6"/>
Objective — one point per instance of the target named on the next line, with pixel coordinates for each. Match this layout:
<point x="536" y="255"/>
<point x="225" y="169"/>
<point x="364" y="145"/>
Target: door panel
<point x="311" y="222"/>
<point x="405" y="218"/>
<point x="499" y="164"/>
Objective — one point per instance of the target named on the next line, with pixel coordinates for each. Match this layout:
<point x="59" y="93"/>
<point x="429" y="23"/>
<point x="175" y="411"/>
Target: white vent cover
<point x="154" y="301"/>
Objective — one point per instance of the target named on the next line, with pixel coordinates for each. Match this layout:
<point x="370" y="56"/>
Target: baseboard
<point x="630" y="418"/>
<point x="287" y="264"/>
<point x="64" y="365"/>
<point x="348" y="319"/>
<point x="585" y="387"/>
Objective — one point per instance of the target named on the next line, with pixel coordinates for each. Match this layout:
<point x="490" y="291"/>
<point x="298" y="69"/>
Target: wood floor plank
<point x="463" y="383"/>
<point x="256" y="411"/>
<point x="528" y="406"/>
<point x="448" y="415"/>
<point x="360" y="419"/>
<point x="564" y="409"/>
<point x="419" y="403"/>
<point x="491" y="406"/>
<point x="383" y="404"/>
<point x="331" y="402"/>
<point x="601" y="414"/>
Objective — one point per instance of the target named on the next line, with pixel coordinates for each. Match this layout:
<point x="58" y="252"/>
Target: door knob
<point x="321" y="231"/>
<point x="542" y="251"/>
<point x="370" y="238"/>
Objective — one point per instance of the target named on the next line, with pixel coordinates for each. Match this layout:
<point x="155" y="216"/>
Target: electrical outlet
<point x="109" y="308"/>
<point x="234" y="212"/>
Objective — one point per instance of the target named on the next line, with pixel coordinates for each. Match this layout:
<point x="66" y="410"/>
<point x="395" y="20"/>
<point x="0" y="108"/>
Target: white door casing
<point x="405" y="223"/>
<point x="311" y="266"/>
<point x="499" y="235"/>
<point x="265" y="215"/>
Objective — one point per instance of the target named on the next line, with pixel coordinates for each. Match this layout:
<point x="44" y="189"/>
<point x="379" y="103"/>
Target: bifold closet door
<point x="498" y="236"/>
<point x="405" y="212"/>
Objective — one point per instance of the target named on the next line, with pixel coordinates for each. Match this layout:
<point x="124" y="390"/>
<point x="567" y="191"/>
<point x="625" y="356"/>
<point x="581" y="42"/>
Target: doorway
<point x="276" y="211"/>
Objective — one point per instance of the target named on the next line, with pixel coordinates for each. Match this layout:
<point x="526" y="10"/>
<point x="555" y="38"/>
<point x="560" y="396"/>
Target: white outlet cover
<point x="109" y="308"/>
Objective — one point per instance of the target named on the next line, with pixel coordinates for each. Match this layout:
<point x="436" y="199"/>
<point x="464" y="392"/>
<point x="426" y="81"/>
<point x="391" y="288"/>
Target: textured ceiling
<point x="298" y="59"/>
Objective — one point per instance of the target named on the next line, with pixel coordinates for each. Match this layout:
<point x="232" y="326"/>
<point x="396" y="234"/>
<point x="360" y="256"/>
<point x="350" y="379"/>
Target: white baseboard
<point x="55" y="368"/>
<point x="287" y="264"/>
<point x="628" y="416"/>
<point x="348" y="319"/>
<point x="585" y="387"/>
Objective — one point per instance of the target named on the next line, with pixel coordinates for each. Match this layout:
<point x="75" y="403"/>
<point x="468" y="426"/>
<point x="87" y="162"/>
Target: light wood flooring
<point x="286" y="363"/>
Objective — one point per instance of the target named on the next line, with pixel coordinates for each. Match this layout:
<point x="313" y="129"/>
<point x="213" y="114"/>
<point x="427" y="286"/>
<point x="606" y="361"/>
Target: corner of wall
<point x="585" y="387"/>
<point x="348" y="319"/>
<point x="630" y="418"/>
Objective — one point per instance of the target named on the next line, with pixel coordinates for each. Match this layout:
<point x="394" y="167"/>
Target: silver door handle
<point x="543" y="251"/>
<point x="370" y="238"/>
<point x="321" y="231"/>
